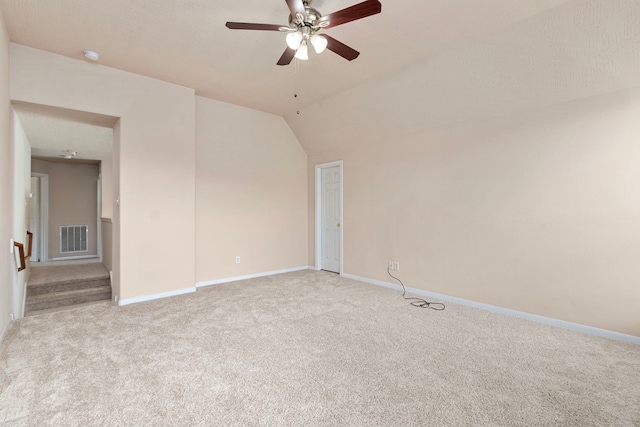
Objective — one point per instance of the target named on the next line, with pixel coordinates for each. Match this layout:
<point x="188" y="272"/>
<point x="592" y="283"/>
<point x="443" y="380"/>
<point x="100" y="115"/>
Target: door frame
<point x="44" y="215"/>
<point x="318" y="245"/>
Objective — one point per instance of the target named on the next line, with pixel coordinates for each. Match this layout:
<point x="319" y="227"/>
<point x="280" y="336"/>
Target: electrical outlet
<point x="396" y="265"/>
<point x="390" y="265"/>
<point x="237" y="260"/>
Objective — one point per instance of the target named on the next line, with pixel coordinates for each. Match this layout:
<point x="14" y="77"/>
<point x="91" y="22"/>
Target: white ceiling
<point x="187" y="43"/>
<point x="54" y="131"/>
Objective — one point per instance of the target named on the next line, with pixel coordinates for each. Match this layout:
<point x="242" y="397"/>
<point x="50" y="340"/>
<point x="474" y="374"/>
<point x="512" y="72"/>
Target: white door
<point x="330" y="227"/>
<point x="34" y="218"/>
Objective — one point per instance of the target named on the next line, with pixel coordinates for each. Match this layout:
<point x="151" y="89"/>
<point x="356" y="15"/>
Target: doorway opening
<point x="64" y="213"/>
<point x="39" y="216"/>
<point x="329" y="222"/>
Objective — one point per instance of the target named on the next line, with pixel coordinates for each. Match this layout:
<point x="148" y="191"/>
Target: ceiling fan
<point x="306" y="22"/>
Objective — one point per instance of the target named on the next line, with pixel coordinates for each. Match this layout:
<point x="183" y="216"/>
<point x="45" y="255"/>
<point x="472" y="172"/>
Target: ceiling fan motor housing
<point x="310" y="22"/>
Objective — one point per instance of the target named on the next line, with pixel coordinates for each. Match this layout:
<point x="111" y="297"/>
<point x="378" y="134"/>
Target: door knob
<point x="338" y="225"/>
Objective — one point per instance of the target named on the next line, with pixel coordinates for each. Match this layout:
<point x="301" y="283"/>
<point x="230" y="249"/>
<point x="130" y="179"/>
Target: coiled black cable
<point x="418" y="302"/>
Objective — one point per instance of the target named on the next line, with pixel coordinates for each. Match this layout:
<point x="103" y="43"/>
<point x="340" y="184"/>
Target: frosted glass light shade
<point x="294" y="40"/>
<point x="319" y="43"/>
<point x="302" y="52"/>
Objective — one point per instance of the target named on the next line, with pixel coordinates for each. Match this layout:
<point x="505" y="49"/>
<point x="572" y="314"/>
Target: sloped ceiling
<point x="187" y="43"/>
<point x="580" y="49"/>
<point x="422" y="65"/>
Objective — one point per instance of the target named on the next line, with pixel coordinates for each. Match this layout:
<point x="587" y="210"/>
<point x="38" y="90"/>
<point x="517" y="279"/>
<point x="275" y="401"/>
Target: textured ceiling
<point x="186" y="42"/>
<point x="53" y="131"/>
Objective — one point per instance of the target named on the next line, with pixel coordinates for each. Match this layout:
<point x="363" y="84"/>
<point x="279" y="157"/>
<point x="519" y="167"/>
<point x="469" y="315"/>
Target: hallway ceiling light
<point x="69" y="154"/>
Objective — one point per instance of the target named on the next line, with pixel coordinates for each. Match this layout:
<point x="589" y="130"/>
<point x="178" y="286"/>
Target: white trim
<point x="99" y="215"/>
<point x="617" y="336"/>
<point x="44" y="215"/>
<point x="249" y="276"/>
<point x="64" y="258"/>
<point x="145" y="298"/>
<point x="318" y="219"/>
<point x="6" y="329"/>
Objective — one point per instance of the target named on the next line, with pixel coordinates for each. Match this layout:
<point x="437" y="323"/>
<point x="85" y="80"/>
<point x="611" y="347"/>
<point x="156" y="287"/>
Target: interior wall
<point x="115" y="223"/>
<point x="6" y="186"/>
<point x="154" y="221"/>
<point x="251" y="189"/>
<point x="535" y="211"/>
<point x="501" y="170"/>
<point x="72" y="201"/>
<point x="21" y="205"/>
<point x="106" y="175"/>
<point x="107" y="243"/>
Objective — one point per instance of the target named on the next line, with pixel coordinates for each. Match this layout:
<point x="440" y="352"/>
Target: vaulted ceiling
<point x="186" y="42"/>
<point x="422" y="65"/>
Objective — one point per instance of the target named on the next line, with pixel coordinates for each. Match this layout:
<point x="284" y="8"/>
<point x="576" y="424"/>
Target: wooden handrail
<point x="20" y="247"/>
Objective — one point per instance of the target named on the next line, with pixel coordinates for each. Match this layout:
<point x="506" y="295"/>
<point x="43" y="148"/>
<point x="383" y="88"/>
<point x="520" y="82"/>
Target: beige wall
<point x="155" y="161"/>
<point x="503" y="171"/>
<point x="21" y="201"/>
<point x="107" y="242"/>
<point x="6" y="186"/>
<point x="535" y="212"/>
<point x="72" y="201"/>
<point x="250" y="193"/>
<point x="106" y="178"/>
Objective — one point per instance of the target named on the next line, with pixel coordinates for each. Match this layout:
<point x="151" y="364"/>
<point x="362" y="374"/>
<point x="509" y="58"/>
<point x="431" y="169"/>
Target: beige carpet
<point x="309" y="349"/>
<point x="63" y="272"/>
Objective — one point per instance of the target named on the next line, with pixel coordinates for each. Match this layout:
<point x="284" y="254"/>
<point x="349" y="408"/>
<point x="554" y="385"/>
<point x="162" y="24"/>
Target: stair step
<point x="65" y="308"/>
<point x="67" y="298"/>
<point x="68" y="285"/>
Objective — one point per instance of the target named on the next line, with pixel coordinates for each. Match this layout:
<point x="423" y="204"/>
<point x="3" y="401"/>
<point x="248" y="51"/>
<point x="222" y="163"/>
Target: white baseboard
<point x="5" y="329"/>
<point x="144" y="298"/>
<point x="250" y="276"/>
<point x="70" y="258"/>
<point x="514" y="313"/>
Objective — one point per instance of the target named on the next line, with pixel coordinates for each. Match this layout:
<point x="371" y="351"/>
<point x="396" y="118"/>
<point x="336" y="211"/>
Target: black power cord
<point x="418" y="302"/>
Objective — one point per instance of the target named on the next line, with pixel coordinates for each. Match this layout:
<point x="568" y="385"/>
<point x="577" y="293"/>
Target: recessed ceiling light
<point x="91" y="55"/>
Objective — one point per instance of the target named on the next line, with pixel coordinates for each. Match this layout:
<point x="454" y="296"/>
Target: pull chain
<point x="296" y="69"/>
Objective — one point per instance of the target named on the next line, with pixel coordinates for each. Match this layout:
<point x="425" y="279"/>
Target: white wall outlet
<point x="396" y="265"/>
<point x="11" y="247"/>
<point x="237" y="260"/>
<point x="12" y="317"/>
<point x="390" y="265"/>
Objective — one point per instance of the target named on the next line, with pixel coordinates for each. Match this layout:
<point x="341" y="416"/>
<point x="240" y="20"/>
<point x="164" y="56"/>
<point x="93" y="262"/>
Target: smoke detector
<point x="91" y="55"/>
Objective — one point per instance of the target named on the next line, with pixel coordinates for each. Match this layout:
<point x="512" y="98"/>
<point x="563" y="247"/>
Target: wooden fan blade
<point x="358" y="11"/>
<point x="340" y="48"/>
<point x="287" y="57"/>
<point x="296" y="6"/>
<point x="249" y="26"/>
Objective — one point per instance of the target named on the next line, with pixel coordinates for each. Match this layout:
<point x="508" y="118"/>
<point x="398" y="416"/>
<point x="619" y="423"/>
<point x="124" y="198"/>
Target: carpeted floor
<point x="309" y="349"/>
<point x="66" y="271"/>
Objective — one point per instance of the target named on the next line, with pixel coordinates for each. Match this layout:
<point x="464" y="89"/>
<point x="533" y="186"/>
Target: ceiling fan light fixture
<point x="302" y="52"/>
<point x="294" y="40"/>
<point x="319" y="43"/>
